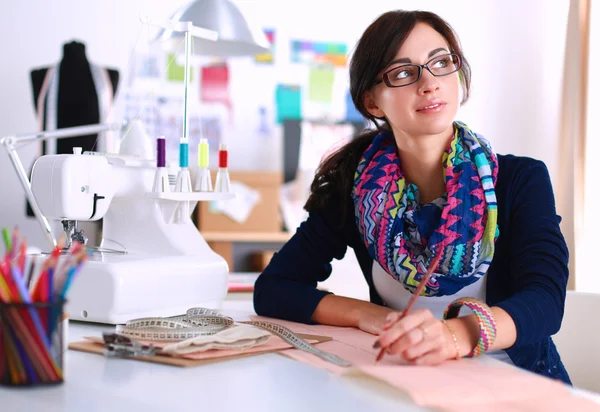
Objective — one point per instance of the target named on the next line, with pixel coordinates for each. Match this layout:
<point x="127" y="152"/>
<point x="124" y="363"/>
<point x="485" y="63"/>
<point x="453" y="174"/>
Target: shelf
<point x="191" y="196"/>
<point x="241" y="282"/>
<point x="266" y="237"/>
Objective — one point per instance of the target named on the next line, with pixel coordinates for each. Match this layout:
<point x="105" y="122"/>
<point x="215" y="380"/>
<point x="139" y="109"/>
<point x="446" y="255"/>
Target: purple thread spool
<point x="161" y="152"/>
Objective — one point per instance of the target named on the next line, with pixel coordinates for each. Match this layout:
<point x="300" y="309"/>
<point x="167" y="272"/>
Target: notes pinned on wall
<point x="288" y="101"/>
<point x="214" y="86"/>
<point x="308" y="52"/>
<point x="175" y="71"/>
<point x="267" y="57"/>
<point x="320" y="84"/>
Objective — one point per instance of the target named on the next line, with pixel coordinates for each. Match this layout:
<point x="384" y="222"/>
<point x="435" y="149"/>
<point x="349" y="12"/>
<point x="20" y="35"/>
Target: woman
<point x="424" y="189"/>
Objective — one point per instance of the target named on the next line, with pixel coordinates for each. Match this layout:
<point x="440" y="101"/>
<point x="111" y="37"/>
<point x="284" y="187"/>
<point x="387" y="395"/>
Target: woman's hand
<point x="372" y="318"/>
<point x="419" y="338"/>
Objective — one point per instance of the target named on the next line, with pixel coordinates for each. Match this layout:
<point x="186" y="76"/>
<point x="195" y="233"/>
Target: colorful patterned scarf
<point x="402" y="235"/>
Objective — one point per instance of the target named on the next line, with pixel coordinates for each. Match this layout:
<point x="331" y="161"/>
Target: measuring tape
<point x="297" y="342"/>
<point x="201" y="322"/>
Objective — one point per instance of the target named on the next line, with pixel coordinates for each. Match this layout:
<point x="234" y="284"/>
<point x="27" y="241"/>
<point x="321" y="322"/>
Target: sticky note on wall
<point x="214" y="87"/>
<point x="176" y="72"/>
<point x="288" y="100"/>
<point x="320" y="84"/>
<point x="267" y="57"/>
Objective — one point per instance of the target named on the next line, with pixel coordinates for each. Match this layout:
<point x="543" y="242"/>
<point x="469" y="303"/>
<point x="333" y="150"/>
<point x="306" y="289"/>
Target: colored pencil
<point x="26" y="338"/>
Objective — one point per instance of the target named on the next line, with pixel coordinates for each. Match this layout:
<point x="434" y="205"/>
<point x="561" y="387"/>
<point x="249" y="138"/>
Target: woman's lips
<point x="432" y="107"/>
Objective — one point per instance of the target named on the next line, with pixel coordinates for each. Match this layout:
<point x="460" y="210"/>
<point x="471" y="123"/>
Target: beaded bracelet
<point x="487" y="325"/>
<point x="457" y="357"/>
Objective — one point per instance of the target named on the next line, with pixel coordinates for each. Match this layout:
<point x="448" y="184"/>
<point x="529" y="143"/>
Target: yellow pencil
<point x="4" y="291"/>
<point x="12" y="369"/>
<point x="15" y="364"/>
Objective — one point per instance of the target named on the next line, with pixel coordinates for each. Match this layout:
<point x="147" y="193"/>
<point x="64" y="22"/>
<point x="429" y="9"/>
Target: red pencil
<point x="22" y="255"/>
<point x="5" y="272"/>
<point x="15" y="239"/>
<point x="42" y="279"/>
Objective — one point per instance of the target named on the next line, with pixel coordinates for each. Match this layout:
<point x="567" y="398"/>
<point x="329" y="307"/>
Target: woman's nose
<point x="428" y="83"/>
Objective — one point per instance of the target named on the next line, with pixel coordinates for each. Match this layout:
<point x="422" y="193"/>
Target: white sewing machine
<point x="148" y="264"/>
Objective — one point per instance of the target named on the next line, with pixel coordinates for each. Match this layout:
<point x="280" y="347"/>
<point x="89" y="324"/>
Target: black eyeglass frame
<point x="385" y="78"/>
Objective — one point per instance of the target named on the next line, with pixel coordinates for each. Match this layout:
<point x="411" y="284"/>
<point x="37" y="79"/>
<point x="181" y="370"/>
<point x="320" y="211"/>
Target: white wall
<point x="515" y="48"/>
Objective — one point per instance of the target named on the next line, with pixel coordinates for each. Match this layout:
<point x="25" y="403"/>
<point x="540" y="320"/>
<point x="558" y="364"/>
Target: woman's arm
<point x="466" y="329"/>
<point x="343" y="311"/>
<point x="538" y="267"/>
<point x="538" y="257"/>
<point x="287" y="288"/>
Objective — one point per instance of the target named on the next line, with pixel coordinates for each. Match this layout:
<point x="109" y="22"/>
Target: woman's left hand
<point x="419" y="338"/>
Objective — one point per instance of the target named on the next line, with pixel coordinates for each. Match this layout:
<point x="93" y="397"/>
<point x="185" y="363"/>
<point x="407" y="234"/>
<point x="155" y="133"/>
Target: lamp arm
<point x="11" y="143"/>
<point x="20" y="140"/>
<point x="182" y="27"/>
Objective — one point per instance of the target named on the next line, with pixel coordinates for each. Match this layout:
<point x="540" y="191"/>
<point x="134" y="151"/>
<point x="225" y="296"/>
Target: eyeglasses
<point x="407" y="74"/>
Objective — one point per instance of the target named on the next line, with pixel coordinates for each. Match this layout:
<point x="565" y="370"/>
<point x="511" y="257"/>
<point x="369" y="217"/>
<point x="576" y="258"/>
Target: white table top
<point x="269" y="382"/>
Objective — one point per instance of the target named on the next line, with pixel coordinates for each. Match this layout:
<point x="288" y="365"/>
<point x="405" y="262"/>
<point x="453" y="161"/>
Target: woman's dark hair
<point x="375" y="50"/>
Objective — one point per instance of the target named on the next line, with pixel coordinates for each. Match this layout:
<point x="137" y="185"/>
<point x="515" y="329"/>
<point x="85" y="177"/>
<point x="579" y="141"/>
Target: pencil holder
<point x="31" y="343"/>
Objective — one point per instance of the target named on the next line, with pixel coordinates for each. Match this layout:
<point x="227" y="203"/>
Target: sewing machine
<point x="150" y="261"/>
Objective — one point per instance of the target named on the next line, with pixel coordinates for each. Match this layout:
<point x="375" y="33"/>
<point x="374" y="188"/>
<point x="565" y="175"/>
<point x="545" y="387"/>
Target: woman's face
<point x="427" y="107"/>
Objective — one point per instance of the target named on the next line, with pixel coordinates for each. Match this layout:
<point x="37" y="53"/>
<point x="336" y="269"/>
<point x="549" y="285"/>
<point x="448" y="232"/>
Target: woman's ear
<point x="371" y="106"/>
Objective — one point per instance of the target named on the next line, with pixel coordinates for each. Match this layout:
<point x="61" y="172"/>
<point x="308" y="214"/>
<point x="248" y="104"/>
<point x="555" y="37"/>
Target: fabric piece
<point x="556" y="403"/>
<point x="390" y="217"/>
<point x="472" y="384"/>
<point x="467" y="385"/>
<point x="235" y="338"/>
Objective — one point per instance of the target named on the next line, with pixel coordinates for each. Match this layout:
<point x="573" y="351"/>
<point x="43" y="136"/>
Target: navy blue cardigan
<point x="527" y="277"/>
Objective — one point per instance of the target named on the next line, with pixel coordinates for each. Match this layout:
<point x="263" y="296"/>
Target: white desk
<point x="263" y="383"/>
<point x="268" y="382"/>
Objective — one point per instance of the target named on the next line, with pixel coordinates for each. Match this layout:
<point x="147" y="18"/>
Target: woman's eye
<point x="403" y="74"/>
<point x="442" y="63"/>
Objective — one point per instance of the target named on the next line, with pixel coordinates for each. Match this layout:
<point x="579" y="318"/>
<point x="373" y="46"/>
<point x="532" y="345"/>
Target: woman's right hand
<point x="372" y="318"/>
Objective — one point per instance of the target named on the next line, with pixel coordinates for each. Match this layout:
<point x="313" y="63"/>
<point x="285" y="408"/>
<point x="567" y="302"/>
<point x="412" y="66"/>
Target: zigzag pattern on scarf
<point x="382" y="201"/>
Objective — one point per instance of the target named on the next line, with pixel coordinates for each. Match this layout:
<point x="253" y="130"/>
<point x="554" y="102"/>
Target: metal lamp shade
<point x="237" y="36"/>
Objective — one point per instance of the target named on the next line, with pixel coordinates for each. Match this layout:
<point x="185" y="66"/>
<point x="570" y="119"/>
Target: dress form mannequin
<point x="77" y="100"/>
<point x="73" y="93"/>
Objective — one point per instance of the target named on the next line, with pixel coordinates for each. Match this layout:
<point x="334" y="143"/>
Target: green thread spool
<point x="203" y="153"/>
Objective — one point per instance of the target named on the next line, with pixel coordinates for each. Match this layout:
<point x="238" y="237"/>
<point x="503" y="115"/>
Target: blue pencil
<point x="63" y="293"/>
<point x="50" y="302"/>
<point x="31" y="375"/>
<point x="70" y="276"/>
<point x="34" y="316"/>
